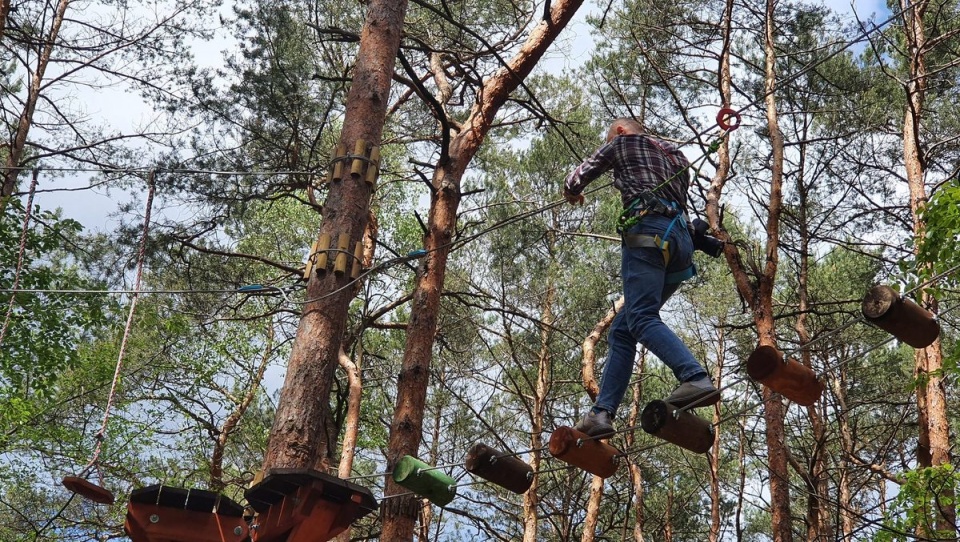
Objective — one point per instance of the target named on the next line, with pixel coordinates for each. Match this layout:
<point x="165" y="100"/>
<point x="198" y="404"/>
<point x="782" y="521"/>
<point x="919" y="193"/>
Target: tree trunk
<point x="4" y="15"/>
<point x="541" y="393"/>
<point x="15" y="148"/>
<point x="592" y="515"/>
<point x="397" y="513"/>
<point x="636" y="473"/>
<point x="773" y="407"/>
<point x="933" y="445"/>
<point x="758" y="293"/>
<point x="713" y="460"/>
<point x="589" y="363"/>
<point x="230" y="424"/>
<point x="301" y="435"/>
<point x="815" y="474"/>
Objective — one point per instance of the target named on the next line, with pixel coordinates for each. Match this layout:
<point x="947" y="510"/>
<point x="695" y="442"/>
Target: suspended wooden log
<point x="789" y="378"/>
<point x="88" y="490"/>
<point x="304" y="505"/>
<point x="901" y="317"/>
<point x="161" y="513"/>
<point x="680" y="427"/>
<point x="425" y="480"/>
<point x="578" y="449"/>
<point x="506" y="471"/>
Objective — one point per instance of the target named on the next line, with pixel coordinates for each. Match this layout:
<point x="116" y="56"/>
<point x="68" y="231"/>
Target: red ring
<point x="726" y="114"/>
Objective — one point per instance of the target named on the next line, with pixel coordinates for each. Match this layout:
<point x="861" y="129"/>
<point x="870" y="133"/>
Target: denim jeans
<point x="646" y="288"/>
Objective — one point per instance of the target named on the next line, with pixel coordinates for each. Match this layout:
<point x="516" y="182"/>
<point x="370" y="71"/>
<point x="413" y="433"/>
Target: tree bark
<point x="541" y="393"/>
<point x="933" y="445"/>
<point x="15" y="148"/>
<point x="302" y="435"/>
<point x="230" y="424"/>
<point x="405" y="430"/>
<point x="758" y="292"/>
<point x="636" y="473"/>
<point x="589" y="363"/>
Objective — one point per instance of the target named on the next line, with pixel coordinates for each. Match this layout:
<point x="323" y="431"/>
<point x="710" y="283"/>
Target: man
<point x="656" y="256"/>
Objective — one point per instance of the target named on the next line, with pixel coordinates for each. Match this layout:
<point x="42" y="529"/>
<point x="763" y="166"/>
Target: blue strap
<point x="670" y="227"/>
<point x="679" y="276"/>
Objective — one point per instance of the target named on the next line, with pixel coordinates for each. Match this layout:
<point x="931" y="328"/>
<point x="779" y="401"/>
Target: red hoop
<point x="725" y="115"/>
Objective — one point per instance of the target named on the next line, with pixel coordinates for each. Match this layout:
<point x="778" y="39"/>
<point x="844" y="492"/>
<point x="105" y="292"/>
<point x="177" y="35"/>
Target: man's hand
<point x="573" y="199"/>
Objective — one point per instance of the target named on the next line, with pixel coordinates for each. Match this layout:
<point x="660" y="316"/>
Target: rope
<point x="23" y="248"/>
<point x="141" y="256"/>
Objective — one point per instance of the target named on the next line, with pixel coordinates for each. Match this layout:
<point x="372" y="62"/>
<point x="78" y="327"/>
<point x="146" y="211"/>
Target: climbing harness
<point x="649" y="203"/>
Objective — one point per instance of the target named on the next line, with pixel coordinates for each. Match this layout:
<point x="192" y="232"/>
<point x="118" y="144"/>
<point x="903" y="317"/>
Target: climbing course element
<point x="424" y="480"/>
<point x="505" y="470"/>
<point x="304" y="505"/>
<point x="789" y="378"/>
<point x="78" y="484"/>
<point x="899" y="316"/>
<point x="573" y="447"/>
<point x="88" y="490"/>
<point x="171" y="514"/>
<point x="677" y="426"/>
<point x="723" y="119"/>
<point x="363" y="163"/>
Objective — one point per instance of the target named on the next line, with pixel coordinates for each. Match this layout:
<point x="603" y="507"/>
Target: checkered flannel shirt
<point x="639" y="162"/>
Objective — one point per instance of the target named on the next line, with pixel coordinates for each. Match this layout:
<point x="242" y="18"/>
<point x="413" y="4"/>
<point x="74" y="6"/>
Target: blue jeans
<point x="646" y="287"/>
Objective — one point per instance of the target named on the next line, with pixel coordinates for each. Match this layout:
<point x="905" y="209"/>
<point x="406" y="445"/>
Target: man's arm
<point x="591" y="168"/>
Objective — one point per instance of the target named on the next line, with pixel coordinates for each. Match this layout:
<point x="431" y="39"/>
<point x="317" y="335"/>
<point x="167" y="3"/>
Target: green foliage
<point x="44" y="328"/>
<point x="939" y="248"/>
<point x="916" y="509"/>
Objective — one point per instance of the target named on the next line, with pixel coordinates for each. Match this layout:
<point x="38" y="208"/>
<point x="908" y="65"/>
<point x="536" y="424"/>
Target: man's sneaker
<point x="596" y="424"/>
<point x="699" y="393"/>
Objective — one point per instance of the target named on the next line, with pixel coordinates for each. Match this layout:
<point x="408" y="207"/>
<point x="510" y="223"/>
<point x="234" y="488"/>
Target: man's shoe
<point x="699" y="394"/>
<point x="596" y="424"/>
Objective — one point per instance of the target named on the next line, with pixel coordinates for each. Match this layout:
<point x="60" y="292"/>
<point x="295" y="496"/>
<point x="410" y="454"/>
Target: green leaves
<point x="916" y="509"/>
<point x="939" y="247"/>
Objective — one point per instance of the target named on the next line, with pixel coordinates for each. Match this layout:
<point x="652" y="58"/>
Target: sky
<point x="126" y="110"/>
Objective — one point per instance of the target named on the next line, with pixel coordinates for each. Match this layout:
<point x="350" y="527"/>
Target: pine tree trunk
<point x="636" y="473"/>
<point x="14" y="150"/>
<point x="933" y="445"/>
<point x="713" y="459"/>
<point x="541" y="393"/>
<point x="399" y="514"/>
<point x="302" y="435"/>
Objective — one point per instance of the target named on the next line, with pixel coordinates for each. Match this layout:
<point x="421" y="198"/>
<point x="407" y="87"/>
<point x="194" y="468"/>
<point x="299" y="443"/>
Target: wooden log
<point x="789" y="378"/>
<point x="573" y="447"/>
<point x="424" y="480"/>
<point x="680" y="427"/>
<point x="506" y="471"/>
<point x="901" y="317"/>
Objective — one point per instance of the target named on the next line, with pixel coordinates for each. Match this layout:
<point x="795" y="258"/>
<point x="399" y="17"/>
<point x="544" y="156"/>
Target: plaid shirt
<point x="639" y="163"/>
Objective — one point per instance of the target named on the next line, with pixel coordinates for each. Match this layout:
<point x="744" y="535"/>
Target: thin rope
<point x="141" y="256"/>
<point x="20" y="254"/>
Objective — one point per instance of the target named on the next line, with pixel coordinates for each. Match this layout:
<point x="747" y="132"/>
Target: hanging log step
<point x="424" y="480"/>
<point x="304" y="505"/>
<point x="789" y="378"/>
<point x="506" y="471"/>
<point x="88" y="490"/>
<point x="573" y="447"/>
<point x="161" y="513"/>
<point x="680" y="427"/>
<point x="900" y="317"/>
